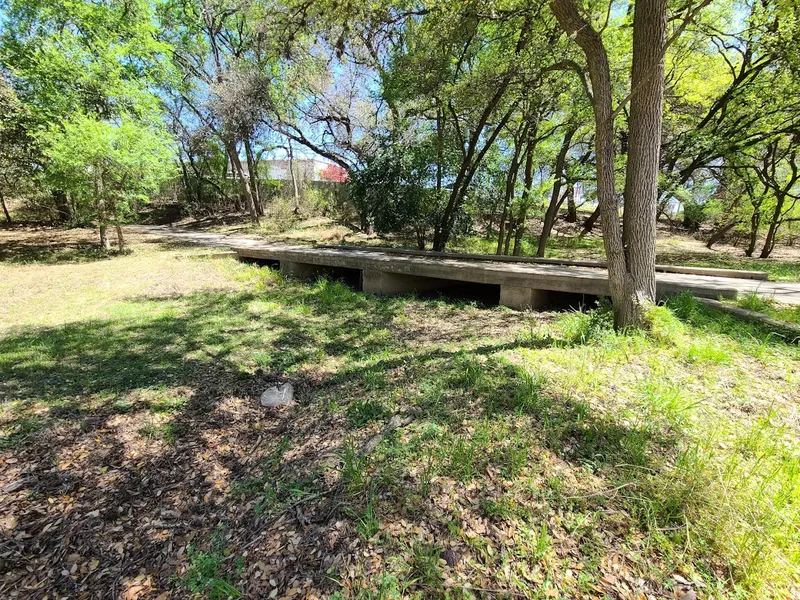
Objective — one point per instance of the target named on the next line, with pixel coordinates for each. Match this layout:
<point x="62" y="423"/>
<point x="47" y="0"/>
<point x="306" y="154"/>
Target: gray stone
<point x="279" y="395"/>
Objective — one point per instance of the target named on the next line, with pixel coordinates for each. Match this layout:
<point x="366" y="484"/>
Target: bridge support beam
<point x="385" y="284"/>
<point x="522" y="298"/>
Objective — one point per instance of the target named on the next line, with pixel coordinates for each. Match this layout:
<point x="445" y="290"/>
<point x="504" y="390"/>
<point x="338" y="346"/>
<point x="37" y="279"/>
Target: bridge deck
<point x="521" y="284"/>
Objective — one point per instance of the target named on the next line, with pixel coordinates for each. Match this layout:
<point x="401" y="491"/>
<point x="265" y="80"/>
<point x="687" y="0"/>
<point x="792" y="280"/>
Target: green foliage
<point x="206" y="573"/>
<point x="109" y="166"/>
<point x="396" y="189"/>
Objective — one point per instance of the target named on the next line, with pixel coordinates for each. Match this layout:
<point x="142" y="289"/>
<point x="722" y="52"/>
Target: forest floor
<point x="437" y="448"/>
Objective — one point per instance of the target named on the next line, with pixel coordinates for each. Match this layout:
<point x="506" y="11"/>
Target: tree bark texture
<point x="630" y="252"/>
<point x="644" y="144"/>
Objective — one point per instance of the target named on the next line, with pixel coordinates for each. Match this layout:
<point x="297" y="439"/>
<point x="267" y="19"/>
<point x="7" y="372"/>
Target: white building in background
<point x="305" y="170"/>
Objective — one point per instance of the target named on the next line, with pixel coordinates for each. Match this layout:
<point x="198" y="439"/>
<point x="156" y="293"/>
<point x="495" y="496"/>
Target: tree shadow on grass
<point x="158" y="443"/>
<point x="50" y="249"/>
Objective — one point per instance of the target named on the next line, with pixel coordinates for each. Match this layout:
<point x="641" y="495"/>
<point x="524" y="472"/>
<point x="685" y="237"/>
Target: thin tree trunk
<point x="5" y="208"/>
<point x="251" y="168"/>
<point x="769" y="242"/>
<point x="293" y="175"/>
<point x="439" y="147"/>
<point x="555" y="198"/>
<point x="469" y="165"/>
<point x="520" y="231"/>
<point x="526" y="198"/>
<point x="102" y="215"/>
<point x="248" y="196"/>
<point x="755" y="225"/>
<point x="511" y="181"/>
<point x="572" y="210"/>
<point x="120" y="238"/>
<point x="512" y="225"/>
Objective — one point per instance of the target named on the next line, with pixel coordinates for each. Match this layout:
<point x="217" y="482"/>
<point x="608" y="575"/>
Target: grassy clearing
<point x="546" y="456"/>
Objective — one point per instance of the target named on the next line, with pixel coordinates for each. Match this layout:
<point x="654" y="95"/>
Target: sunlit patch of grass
<point x="782" y="312"/>
<point x="168" y="432"/>
<point x="18" y="430"/>
<point x="207" y="573"/>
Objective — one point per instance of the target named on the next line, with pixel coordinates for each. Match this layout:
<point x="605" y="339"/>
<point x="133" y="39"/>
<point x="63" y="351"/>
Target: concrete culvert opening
<point x="483" y="294"/>
<point x="570" y="301"/>
<point x="261" y="262"/>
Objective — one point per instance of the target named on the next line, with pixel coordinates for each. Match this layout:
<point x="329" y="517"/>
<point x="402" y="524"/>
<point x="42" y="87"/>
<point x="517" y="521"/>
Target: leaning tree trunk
<point x="590" y="221"/>
<point x="720" y="233"/>
<point x="251" y="168"/>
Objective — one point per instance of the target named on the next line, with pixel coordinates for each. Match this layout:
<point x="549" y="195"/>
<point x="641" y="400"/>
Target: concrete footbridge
<point x="517" y="281"/>
<point x="522" y="282"/>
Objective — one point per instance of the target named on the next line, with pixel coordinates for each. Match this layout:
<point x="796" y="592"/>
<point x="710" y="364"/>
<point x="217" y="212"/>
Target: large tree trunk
<point x="644" y="144"/>
<point x="236" y="163"/>
<point x="62" y="206"/>
<point x="5" y="208"/>
<point x="105" y="243"/>
<point x="555" y="198"/>
<point x="631" y="268"/>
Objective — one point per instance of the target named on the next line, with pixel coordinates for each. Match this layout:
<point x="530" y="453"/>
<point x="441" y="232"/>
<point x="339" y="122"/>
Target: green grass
<point x="541" y="445"/>
<point x="206" y="575"/>
<point x="790" y="314"/>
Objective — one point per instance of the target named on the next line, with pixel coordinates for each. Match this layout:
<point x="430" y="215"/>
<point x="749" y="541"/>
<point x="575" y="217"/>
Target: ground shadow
<point x="185" y="373"/>
<point x="48" y="246"/>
